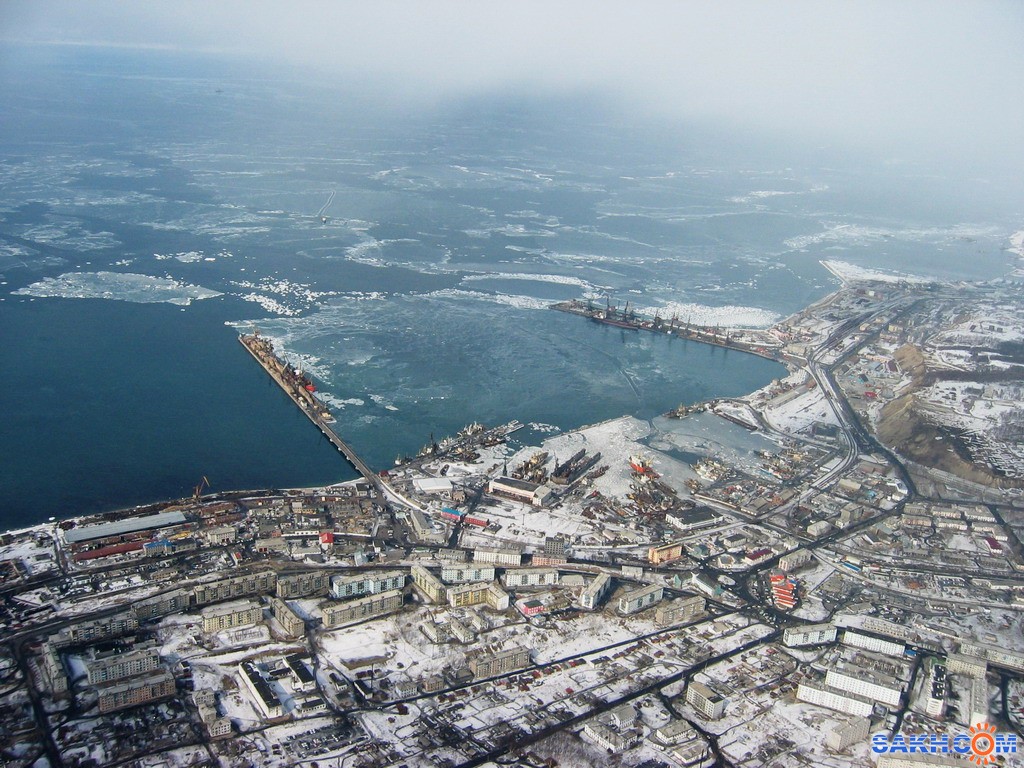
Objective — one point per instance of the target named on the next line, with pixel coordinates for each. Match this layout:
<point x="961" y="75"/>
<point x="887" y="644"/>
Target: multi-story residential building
<point x="871" y="643"/>
<point x="809" y="634"/>
<point x="664" y="554"/>
<point x="428" y="584"/>
<point x="843" y="735"/>
<point x="220" y="535"/>
<point x="935" y="704"/>
<point x="979" y="700"/>
<point x="136" y="691"/>
<point x="246" y="585"/>
<point x="530" y="577"/>
<point x="121" y="665"/>
<point x="867" y="683"/>
<point x="795" y="559"/>
<point x="638" y="599"/>
<point x="371" y="606"/>
<point x="494" y="664"/>
<point x="997" y="656"/>
<point x="292" y="624"/>
<point x="972" y="666"/>
<point x="831" y="698"/>
<point x="705" y="700"/>
<point x="497" y="556"/>
<point x="98" y="629"/>
<point x="218" y="618"/>
<point x="474" y="594"/>
<point x="594" y="593"/>
<point x="461" y="574"/>
<point x="55" y="675"/>
<point x="175" y="601"/>
<point x="679" y="611"/>
<point x="371" y="583"/>
<point x="312" y="584"/>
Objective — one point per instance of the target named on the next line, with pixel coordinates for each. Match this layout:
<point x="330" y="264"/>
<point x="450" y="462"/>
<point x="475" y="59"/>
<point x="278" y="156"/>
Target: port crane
<point x="198" y="490"/>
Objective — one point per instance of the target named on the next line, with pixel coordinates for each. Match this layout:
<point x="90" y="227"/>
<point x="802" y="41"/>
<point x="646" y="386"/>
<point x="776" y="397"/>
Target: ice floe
<point x="118" y="286"/>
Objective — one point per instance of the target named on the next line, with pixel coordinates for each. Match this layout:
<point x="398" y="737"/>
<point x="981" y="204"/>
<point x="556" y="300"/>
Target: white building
<point x="121" y="665"/>
<point x="869" y="643"/>
<point x="867" y="683"/>
<point x="705" y="700"/>
<point x="217" y="618"/>
<point x="367" y="583"/>
<point x="461" y="574"/>
<point x="530" y="577"/>
<point x="592" y="596"/>
<point x="497" y="556"/>
<point x="936" y="692"/>
<point x="811" y="634"/>
<point x="830" y="698"/>
<point x="795" y="559"/>
<point x="979" y="701"/>
<point x="843" y="735"/>
<point x="638" y="599"/>
<point x="521" y="490"/>
<point x="259" y="690"/>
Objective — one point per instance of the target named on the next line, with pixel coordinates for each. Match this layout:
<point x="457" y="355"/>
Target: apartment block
<point x="313" y="584"/>
<point x="136" y="691"/>
<point x="218" y="618"/>
<point x="371" y="606"/>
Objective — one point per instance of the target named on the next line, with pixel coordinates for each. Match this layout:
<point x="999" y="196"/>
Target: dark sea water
<point x="130" y="180"/>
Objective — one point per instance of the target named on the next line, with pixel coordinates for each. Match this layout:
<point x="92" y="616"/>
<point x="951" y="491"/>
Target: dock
<point x="754" y="342"/>
<point x="294" y="385"/>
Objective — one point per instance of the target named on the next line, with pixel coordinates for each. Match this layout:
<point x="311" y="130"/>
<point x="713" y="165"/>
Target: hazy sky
<point x="942" y="76"/>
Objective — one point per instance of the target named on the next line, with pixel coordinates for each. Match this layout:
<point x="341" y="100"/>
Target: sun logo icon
<point x="983" y="744"/>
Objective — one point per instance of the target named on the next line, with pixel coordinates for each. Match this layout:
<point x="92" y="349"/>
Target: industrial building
<point x="494" y="664"/>
<point x="135" y="691"/>
<point x="259" y="690"/>
<point x="592" y="596"/>
<point x="218" y="618"/>
<point x="123" y="527"/>
<point x="520" y="490"/>
<point x="637" y="599"/>
<point x="359" y="584"/>
<point x="371" y="606"/>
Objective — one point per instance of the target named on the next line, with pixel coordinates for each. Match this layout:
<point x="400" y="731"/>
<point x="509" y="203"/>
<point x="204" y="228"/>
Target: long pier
<point x="263" y="351"/>
<point x="706" y="335"/>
